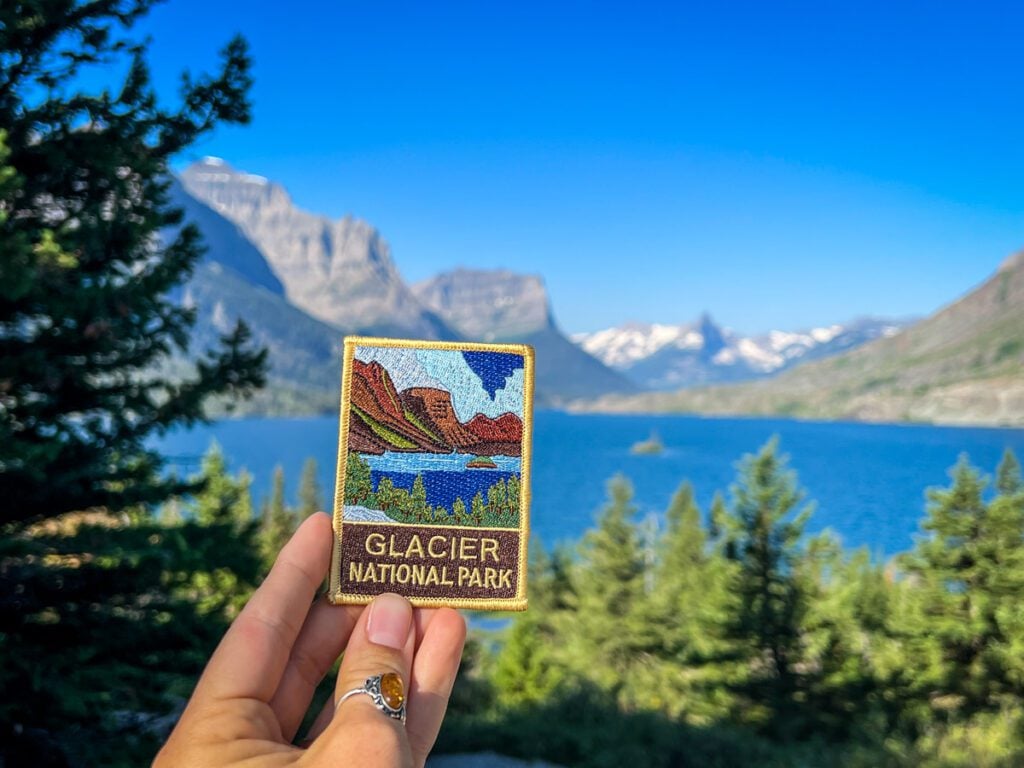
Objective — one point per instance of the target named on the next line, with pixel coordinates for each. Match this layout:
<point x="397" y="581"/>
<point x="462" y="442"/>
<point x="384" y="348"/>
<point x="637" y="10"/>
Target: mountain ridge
<point x="962" y="365"/>
<point x="503" y="306"/>
<point x="340" y="271"/>
<point x="665" y="357"/>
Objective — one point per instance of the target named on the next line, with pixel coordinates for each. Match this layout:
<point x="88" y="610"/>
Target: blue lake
<point x="868" y="481"/>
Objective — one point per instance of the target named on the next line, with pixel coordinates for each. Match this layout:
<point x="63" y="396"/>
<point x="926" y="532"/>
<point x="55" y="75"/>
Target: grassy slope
<point x="962" y="365"/>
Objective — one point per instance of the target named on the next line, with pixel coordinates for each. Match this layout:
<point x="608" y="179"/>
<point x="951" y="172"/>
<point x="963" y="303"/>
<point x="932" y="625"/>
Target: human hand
<point x="259" y="682"/>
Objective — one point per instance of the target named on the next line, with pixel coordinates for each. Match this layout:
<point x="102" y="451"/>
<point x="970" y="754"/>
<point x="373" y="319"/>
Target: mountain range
<point x="302" y="281"/>
<point x="962" y="365"/>
<point x="661" y="357"/>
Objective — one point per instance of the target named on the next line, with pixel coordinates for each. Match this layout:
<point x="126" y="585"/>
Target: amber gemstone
<point x="391" y="690"/>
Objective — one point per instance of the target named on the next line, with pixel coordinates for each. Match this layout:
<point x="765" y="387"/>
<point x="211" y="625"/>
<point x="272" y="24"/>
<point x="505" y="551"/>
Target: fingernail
<point x="389" y="621"/>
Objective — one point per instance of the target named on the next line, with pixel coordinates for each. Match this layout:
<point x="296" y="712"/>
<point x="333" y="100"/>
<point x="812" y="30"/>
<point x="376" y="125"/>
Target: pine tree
<point x="609" y="588"/>
<point x="243" y="511"/>
<point x="529" y="668"/>
<point x="86" y="312"/>
<point x="220" y="494"/>
<point x="107" y="612"/>
<point x="279" y="521"/>
<point x="970" y="570"/>
<point x="762" y="536"/>
<point x="680" y="577"/>
<point x="1008" y="475"/>
<point x="310" y="497"/>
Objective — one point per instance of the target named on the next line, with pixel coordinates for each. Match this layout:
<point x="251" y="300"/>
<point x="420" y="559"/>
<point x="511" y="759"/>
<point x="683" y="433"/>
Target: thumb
<point x="382" y="643"/>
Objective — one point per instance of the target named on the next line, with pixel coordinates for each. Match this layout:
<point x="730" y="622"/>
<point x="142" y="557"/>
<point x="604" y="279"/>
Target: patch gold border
<point x="517" y="603"/>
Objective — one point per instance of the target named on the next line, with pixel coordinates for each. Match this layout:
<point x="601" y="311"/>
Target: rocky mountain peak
<point x="488" y="304"/>
<point x="714" y="339"/>
<point x="338" y="270"/>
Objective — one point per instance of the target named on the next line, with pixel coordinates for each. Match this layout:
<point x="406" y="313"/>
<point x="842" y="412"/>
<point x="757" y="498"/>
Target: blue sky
<point x="780" y="165"/>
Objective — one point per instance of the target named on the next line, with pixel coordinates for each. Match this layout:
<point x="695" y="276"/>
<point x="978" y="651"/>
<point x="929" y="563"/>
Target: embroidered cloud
<point x="405" y="370"/>
<point x="467" y="387"/>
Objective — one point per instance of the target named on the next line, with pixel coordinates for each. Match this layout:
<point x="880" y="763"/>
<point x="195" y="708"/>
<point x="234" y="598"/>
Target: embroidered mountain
<point x="421" y="420"/>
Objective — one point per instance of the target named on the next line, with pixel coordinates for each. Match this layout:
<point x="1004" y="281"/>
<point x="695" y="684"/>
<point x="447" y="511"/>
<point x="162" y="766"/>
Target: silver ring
<point x="386" y="691"/>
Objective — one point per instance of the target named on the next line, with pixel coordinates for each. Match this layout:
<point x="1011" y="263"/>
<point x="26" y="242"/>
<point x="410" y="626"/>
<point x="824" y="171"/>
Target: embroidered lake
<point x="443" y="474"/>
<point x="868" y="481"/>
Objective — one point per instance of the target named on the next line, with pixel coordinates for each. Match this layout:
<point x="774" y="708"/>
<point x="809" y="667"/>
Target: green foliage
<point x="970" y="574"/>
<point x="609" y="586"/>
<point x="763" y="538"/>
<point x="746" y="642"/>
<point x="111" y="619"/>
<point x="86" y="312"/>
<point x="106" y="615"/>
<point x="358" y="485"/>
<point x="310" y="495"/>
<point x="223" y="499"/>
<point x="278" y="520"/>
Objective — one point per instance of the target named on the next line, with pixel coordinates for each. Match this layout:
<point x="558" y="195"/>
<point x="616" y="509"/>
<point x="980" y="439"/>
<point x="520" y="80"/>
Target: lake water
<point x="868" y="481"/>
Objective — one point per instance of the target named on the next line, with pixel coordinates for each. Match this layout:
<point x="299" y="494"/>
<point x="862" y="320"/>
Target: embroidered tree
<point x="358" y="486"/>
<point x="420" y="508"/>
<point x="478" y="509"/>
<point x="459" y="511"/>
<point x="386" y="494"/>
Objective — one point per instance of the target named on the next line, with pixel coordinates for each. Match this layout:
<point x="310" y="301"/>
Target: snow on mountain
<point x="659" y="356"/>
<point x="622" y="346"/>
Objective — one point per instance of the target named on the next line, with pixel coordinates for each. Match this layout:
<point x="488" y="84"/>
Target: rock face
<point x="488" y="305"/>
<point x="496" y="436"/>
<point x="234" y="281"/>
<point x="663" y="357"/>
<point x="433" y="408"/>
<point x="421" y="420"/>
<point x="339" y="271"/>
<point x="498" y="305"/>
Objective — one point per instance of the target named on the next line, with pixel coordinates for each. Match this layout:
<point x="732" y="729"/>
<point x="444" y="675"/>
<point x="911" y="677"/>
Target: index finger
<point x="253" y="654"/>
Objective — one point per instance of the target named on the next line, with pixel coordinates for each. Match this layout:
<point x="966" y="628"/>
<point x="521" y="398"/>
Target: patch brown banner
<point x="432" y="496"/>
<point x="429" y="562"/>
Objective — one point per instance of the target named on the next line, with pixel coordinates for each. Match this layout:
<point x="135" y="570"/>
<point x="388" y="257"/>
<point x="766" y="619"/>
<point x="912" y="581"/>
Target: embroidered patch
<point x="432" y="493"/>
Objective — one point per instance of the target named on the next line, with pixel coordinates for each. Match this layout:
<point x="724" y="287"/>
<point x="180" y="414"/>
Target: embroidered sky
<point x="492" y="384"/>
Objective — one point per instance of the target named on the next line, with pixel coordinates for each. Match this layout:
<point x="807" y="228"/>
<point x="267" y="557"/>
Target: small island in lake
<point x="481" y="462"/>
<point x="651" y="446"/>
